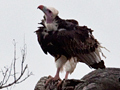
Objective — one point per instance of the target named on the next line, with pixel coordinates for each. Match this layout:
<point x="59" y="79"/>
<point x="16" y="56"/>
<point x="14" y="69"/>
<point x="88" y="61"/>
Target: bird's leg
<point x="66" y="76"/>
<point x="60" y="61"/>
<point x="56" y="77"/>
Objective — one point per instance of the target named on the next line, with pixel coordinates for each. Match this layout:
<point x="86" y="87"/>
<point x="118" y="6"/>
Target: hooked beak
<point x="43" y="8"/>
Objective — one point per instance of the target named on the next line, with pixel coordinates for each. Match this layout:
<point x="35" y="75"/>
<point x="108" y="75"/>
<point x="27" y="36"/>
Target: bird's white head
<point x="50" y="13"/>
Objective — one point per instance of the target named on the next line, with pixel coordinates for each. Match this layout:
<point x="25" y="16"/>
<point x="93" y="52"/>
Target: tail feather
<point x="92" y="59"/>
<point x="98" y="65"/>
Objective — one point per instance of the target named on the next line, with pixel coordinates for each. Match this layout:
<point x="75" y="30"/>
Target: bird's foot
<point x="59" y="83"/>
<point x="50" y="79"/>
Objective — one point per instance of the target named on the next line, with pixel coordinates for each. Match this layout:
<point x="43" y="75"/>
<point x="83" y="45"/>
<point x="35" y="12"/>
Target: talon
<point x="55" y="78"/>
<point x="59" y="83"/>
<point x="50" y="78"/>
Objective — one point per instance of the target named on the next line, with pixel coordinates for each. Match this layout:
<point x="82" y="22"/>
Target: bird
<point x="68" y="42"/>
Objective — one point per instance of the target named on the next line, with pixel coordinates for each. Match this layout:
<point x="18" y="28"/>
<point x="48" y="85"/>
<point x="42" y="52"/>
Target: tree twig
<point x="7" y="73"/>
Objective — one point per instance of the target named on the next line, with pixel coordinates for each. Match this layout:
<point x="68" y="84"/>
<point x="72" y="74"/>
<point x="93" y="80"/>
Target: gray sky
<point x="19" y="18"/>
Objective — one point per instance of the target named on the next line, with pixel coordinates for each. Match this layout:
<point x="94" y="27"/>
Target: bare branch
<point x="7" y="73"/>
<point x="7" y="78"/>
<point x="14" y="43"/>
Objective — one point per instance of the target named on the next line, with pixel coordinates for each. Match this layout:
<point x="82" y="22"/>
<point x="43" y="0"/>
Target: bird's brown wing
<point x="79" y="43"/>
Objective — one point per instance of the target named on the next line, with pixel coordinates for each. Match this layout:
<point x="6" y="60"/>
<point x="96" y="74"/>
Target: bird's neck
<point x="49" y="20"/>
<point x="51" y="24"/>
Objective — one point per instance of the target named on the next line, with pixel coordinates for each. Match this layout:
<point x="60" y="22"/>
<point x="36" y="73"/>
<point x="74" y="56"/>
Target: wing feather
<point x="79" y="43"/>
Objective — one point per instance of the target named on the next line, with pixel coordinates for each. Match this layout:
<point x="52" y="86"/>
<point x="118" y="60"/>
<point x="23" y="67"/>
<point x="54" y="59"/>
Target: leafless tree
<point x="10" y="73"/>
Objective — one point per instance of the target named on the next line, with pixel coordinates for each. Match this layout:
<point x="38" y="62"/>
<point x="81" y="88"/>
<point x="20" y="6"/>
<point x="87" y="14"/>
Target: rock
<point x="100" y="79"/>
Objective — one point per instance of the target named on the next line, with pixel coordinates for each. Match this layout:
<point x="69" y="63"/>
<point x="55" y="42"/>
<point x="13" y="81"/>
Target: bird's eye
<point x="49" y="11"/>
